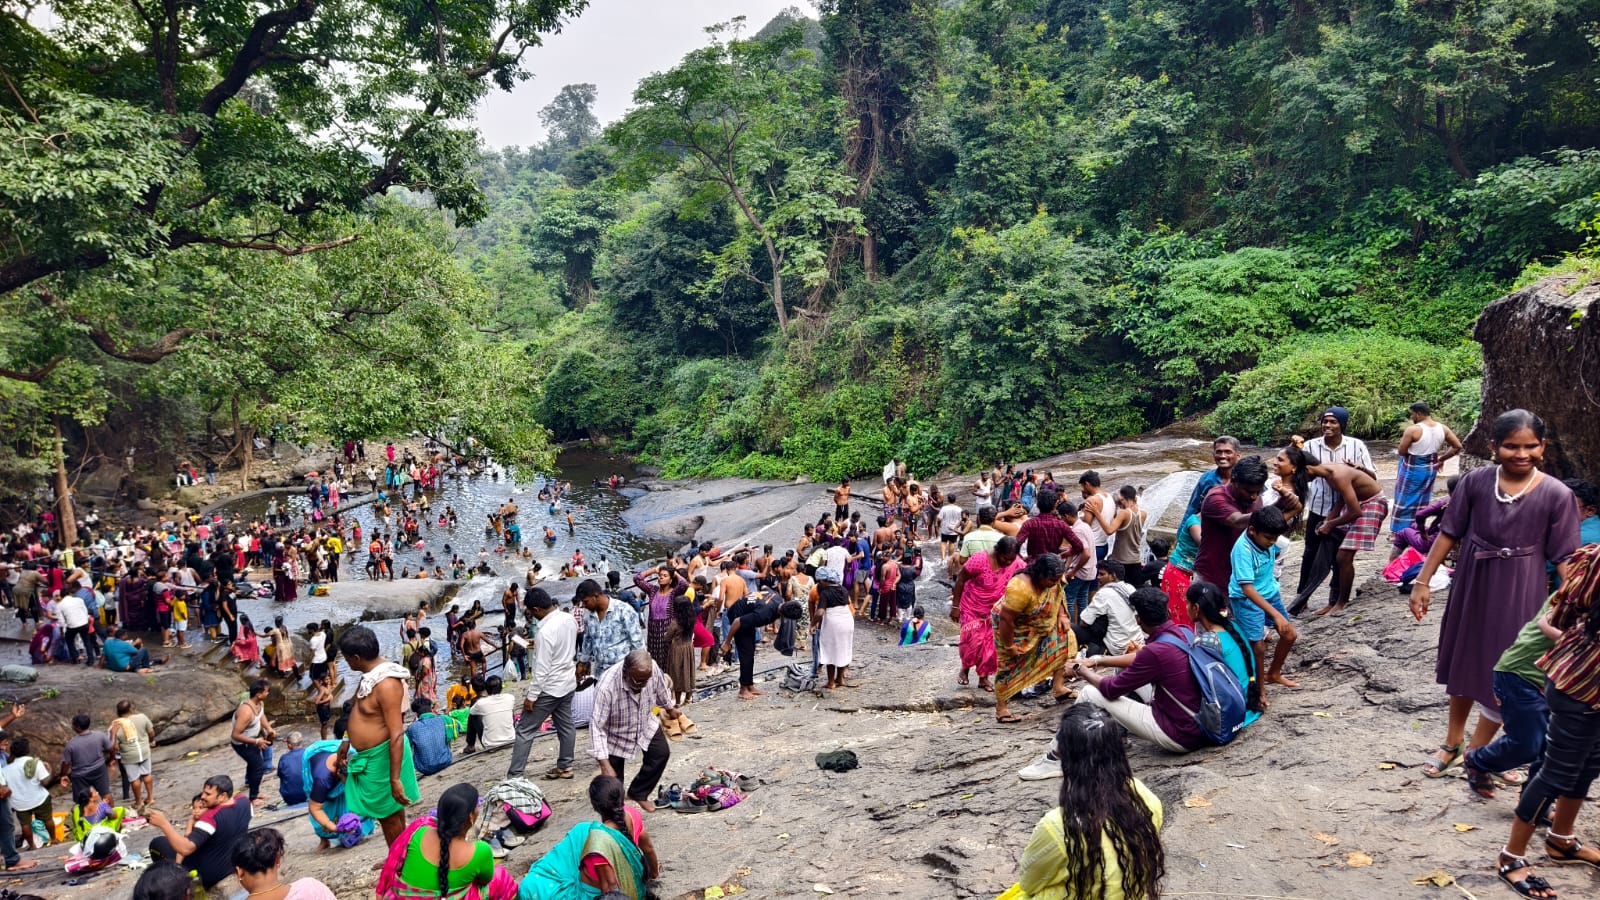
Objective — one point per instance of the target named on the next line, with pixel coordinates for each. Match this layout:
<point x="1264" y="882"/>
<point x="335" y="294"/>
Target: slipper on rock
<point x="689" y="803"/>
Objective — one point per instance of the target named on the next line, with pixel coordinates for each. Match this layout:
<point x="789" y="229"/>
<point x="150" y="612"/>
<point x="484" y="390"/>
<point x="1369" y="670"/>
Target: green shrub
<point x="1375" y="375"/>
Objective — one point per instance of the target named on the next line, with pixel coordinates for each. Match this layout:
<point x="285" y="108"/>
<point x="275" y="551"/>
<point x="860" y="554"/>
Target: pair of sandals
<point x="675" y="797"/>
<point x="1534" y="886"/>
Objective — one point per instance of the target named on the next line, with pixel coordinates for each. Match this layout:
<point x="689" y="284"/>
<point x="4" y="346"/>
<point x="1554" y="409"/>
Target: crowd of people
<point x="1069" y="599"/>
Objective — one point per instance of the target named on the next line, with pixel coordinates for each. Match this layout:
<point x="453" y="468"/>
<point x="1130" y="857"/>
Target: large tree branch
<point x="259" y="242"/>
<point x="268" y="30"/>
<point x="33" y="376"/>
<point x="164" y="346"/>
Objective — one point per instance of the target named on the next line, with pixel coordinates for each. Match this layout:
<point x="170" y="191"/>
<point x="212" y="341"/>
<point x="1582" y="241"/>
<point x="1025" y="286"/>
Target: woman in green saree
<point x="613" y="854"/>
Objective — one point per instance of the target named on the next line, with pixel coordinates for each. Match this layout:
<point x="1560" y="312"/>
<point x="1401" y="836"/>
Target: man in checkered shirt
<point x="624" y="723"/>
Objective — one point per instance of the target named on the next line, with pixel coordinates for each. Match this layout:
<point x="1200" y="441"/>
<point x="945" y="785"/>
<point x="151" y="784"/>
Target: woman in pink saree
<point x="979" y="584"/>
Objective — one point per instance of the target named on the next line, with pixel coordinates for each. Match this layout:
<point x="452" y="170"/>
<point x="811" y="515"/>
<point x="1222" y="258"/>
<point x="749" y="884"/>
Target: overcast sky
<point x="612" y="45"/>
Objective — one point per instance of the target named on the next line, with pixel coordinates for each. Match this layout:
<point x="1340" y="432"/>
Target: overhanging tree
<point x="134" y="127"/>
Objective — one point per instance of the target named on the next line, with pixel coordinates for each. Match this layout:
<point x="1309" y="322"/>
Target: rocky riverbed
<point x="1323" y="798"/>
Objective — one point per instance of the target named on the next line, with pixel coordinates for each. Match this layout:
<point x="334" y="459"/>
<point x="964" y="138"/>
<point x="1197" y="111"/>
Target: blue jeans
<point x="8" y="835"/>
<point x="1526" y="718"/>
<point x="1078" y="591"/>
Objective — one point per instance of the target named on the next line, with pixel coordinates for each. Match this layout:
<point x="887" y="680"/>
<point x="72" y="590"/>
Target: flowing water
<point x="1164" y="466"/>
<point x="598" y="530"/>
<point x="597" y="519"/>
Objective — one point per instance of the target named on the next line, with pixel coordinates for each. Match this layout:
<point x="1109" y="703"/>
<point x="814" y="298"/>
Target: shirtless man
<point x="885" y="534"/>
<point x="381" y="780"/>
<point x="1360" y="501"/>
<point x="472" y="649"/>
<point x="841" y="500"/>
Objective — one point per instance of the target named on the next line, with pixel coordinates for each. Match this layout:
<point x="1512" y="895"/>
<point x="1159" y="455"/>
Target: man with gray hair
<point x="624" y="723"/>
<point x="291" y="777"/>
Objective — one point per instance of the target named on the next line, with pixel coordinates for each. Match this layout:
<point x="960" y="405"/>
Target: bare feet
<point x="1279" y="679"/>
<point x="646" y="804"/>
<point x="1336" y="608"/>
<point x="748" y="693"/>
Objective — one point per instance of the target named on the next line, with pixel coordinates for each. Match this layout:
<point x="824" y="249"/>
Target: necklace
<point x="1502" y="496"/>
<point x="275" y="886"/>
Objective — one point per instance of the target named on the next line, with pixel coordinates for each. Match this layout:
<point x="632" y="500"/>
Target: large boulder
<point x="182" y="698"/>
<point x="1541" y="352"/>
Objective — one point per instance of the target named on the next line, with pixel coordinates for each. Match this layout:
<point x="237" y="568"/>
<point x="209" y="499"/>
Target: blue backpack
<point x="1222" y="699"/>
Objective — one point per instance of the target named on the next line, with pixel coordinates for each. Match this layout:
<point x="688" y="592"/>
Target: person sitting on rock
<point x="491" y="721"/>
<point x="1074" y="855"/>
<point x="124" y="655"/>
<point x="1108" y="624"/>
<point x="1166" y="720"/>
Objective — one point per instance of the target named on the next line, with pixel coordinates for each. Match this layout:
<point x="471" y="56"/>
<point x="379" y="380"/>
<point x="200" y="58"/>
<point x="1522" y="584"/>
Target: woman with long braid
<point x="595" y="858"/>
<point x="1102" y="841"/>
<point x="434" y="857"/>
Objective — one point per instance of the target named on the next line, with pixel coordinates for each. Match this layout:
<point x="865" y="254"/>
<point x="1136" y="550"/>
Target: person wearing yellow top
<point x="1083" y="863"/>
<point x="335" y="548"/>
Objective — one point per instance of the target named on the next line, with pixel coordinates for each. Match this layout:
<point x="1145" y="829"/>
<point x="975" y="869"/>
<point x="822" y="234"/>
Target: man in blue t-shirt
<point x="1224" y="452"/>
<point x="123" y="655"/>
<point x="291" y="781"/>
<point x="1254" y="594"/>
<point x="430" y="738"/>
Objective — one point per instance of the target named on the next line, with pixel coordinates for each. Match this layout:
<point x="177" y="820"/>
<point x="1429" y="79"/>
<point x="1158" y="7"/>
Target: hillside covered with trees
<point x="966" y="231"/>
<point x="948" y="232"/>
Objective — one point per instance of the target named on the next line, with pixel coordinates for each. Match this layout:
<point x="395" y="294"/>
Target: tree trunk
<point x="67" y="524"/>
<point x="869" y="254"/>
<point x="777" y="292"/>
<point x="773" y="256"/>
<point x="242" y="448"/>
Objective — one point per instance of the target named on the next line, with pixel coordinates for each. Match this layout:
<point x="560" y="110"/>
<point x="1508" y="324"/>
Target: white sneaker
<point x="1044" y="768"/>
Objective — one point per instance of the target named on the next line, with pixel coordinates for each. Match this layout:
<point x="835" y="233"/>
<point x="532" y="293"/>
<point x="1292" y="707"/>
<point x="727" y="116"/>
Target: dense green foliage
<point x="944" y="231"/>
<point x="1025" y="226"/>
<point x="190" y="216"/>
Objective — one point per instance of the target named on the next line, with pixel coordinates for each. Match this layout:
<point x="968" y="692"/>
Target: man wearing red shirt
<point x="1224" y="515"/>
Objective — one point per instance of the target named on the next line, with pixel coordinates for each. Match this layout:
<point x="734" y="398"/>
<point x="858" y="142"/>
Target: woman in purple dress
<point x="1505" y="523"/>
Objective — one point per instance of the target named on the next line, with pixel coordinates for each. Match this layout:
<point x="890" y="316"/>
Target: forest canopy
<point x="950" y="232"/>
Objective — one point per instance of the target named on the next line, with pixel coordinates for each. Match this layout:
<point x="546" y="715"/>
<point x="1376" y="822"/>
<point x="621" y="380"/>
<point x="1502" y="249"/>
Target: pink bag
<point x="1393" y="571"/>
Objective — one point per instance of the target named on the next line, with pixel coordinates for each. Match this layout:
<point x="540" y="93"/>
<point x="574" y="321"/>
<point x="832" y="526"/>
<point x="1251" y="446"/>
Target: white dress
<point x="836" y="640"/>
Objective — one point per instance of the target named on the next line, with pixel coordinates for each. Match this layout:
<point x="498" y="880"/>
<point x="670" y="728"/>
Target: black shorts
<point x="948" y="538"/>
<point x="319" y="671"/>
<point x="324" y="713"/>
<point x="478" y="657"/>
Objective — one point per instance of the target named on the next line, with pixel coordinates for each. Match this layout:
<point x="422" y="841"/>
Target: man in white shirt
<point x="1322" y="550"/>
<point x="552" y="682"/>
<point x="1109" y="623"/>
<point x="949" y="527"/>
<point x="490" y="720"/>
<point x="74" y="615"/>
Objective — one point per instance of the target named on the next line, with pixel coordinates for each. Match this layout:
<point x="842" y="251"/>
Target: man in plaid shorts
<point x="1362" y="507"/>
